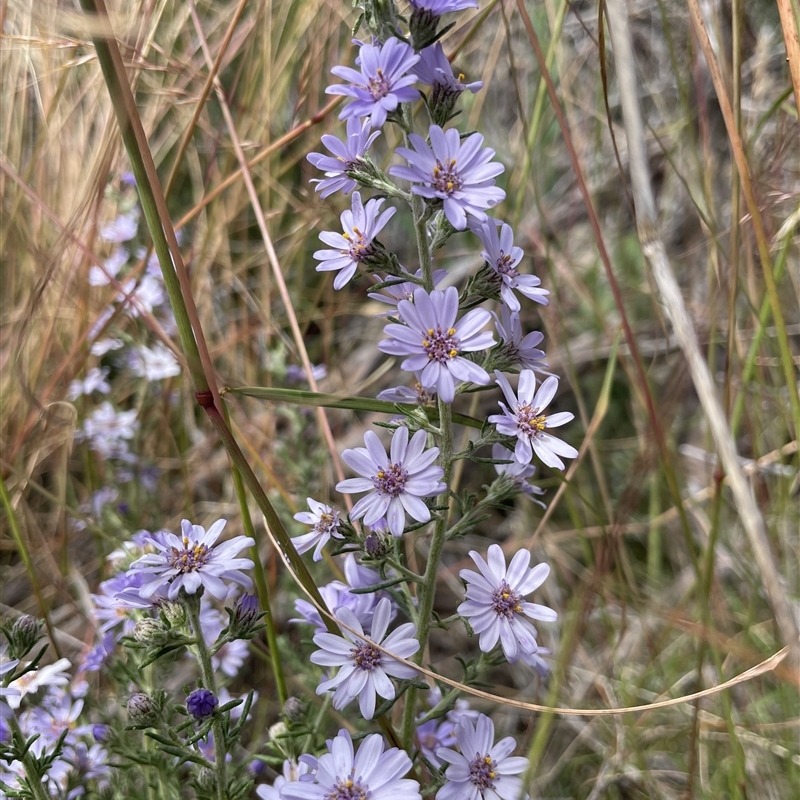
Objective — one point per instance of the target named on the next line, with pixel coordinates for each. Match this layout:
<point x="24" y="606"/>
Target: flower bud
<point x="150" y="632"/>
<point x="101" y="733"/>
<point x="174" y="614"/>
<point x="245" y="616"/>
<point x="278" y="735"/>
<point x="294" y="709"/>
<point x="142" y="709"/>
<point x="378" y="545"/>
<point x="423" y="26"/>
<point x="201" y="703"/>
<point x="207" y="781"/>
<point x="25" y="632"/>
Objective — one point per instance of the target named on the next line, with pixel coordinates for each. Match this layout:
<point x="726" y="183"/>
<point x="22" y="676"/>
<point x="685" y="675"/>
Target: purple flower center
<point x="445" y="177"/>
<point x="441" y="345"/>
<point x="529" y="421"/>
<point x="505" y="602"/>
<point x="190" y="559"/>
<point x="366" y="656"/>
<point x="504" y="266"/>
<point x="378" y="86"/>
<point x="391" y="480"/>
<point x="348" y="789"/>
<point x="360" y="247"/>
<point x="482" y="772"/>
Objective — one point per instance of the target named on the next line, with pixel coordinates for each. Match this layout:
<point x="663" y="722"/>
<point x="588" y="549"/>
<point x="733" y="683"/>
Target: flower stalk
<point x="203" y="655"/>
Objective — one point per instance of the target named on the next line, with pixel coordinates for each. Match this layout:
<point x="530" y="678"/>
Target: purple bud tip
<point x="201" y="703"/>
<point x="101" y="733"/>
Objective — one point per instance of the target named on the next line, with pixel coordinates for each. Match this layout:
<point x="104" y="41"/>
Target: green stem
<point x="22" y="546"/>
<point x="763" y="318"/>
<point x="428" y="590"/>
<point x="262" y="588"/>
<point x="201" y="651"/>
<point x="31" y="773"/>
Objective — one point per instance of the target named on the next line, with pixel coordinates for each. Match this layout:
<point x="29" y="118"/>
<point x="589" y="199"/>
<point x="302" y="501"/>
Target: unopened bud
<point x="201" y="703"/>
<point x="174" y="614"/>
<point x="142" y="709"/>
<point x="294" y="709"/>
<point x="245" y="615"/>
<point x="150" y="632"/>
<point x="25" y="632"/>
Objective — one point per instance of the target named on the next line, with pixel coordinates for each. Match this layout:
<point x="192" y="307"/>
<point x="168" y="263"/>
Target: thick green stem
<point x="203" y="656"/>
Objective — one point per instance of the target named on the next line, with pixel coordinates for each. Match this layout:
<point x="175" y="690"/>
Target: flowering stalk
<point x="201" y="652"/>
<point x="428" y="587"/>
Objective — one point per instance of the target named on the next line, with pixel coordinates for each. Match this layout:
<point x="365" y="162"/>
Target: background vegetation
<point x="650" y="607"/>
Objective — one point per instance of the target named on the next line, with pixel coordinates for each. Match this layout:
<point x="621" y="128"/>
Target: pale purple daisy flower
<point x="95" y="381"/>
<point x="338" y="595"/>
<point x="325" y="522"/>
<point x="522" y="351"/>
<point x="342" y="774"/>
<point x="118" y="602"/>
<point x="397" y="483"/>
<point x="434" y="70"/>
<point x="108" y="430"/>
<point x="347" y="156"/>
<point x="384" y="82"/>
<point x="361" y="225"/>
<point x="193" y="561"/>
<point x="526" y="421"/>
<point x="122" y="228"/>
<point x="434" y="341"/>
<point x="439" y="7"/>
<point x="101" y="276"/>
<point x="103" y="346"/>
<point x="363" y="669"/>
<point x="482" y="770"/>
<point x="291" y="772"/>
<point x="49" y="676"/>
<point x="458" y="173"/>
<point x="503" y="256"/>
<point x="495" y="606"/>
<point x="417" y="395"/>
<point x="401" y="290"/>
<point x="59" y="714"/>
<point x="432" y="735"/>
<point x="146" y="295"/>
<point x="154" y="363"/>
<point x="519" y="473"/>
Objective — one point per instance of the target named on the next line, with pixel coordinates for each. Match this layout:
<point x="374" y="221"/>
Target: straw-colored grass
<point x="653" y="603"/>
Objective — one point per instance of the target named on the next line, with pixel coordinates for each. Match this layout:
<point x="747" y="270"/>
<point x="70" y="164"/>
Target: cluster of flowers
<point x="451" y="180"/>
<point x="156" y="603"/>
<point x="46" y="707"/>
